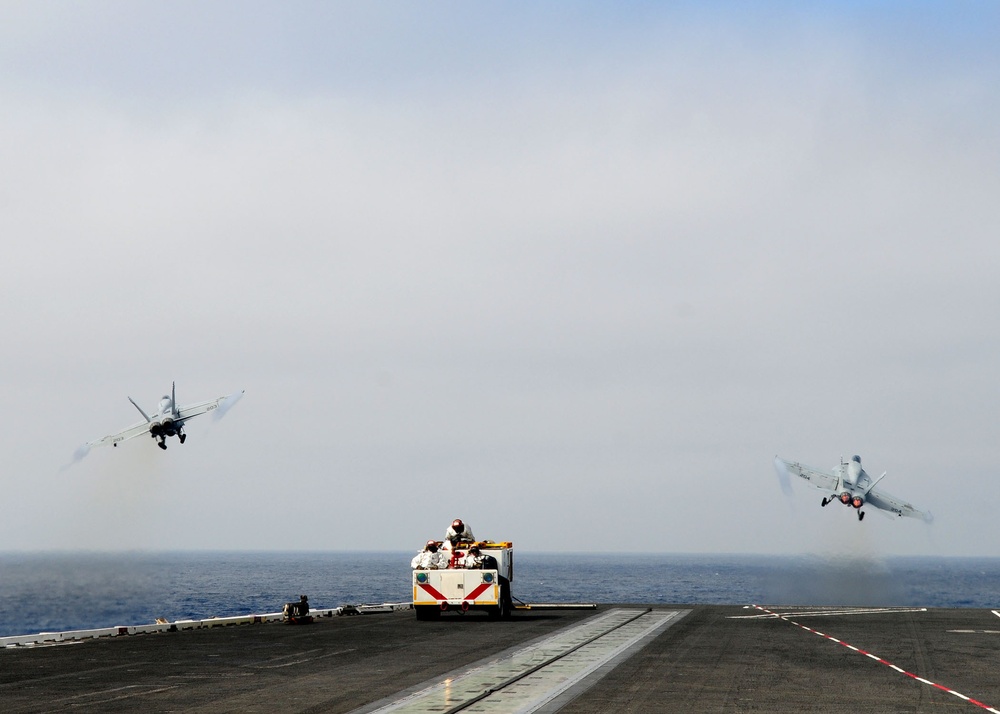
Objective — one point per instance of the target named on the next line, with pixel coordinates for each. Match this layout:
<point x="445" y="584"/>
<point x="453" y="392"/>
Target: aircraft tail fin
<point x="173" y="397"/>
<point x="874" y="483"/>
<point x="144" y="415"/>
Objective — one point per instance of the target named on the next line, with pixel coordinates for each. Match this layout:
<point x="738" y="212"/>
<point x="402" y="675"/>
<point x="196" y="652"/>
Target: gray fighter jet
<point x="167" y="420"/>
<point x="851" y="485"/>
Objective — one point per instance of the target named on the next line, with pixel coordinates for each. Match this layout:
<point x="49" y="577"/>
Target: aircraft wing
<point x="881" y="499"/>
<point x="123" y="435"/>
<point x="193" y="410"/>
<point x="817" y="477"/>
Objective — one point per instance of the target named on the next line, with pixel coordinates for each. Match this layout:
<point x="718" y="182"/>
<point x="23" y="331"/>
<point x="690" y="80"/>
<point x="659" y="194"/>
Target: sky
<point x="573" y="272"/>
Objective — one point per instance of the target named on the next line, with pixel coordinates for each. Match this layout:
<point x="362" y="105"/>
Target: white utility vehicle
<point x="463" y="589"/>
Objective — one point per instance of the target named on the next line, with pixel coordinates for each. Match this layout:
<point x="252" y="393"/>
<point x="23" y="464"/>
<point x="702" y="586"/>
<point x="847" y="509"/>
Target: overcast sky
<point x="574" y="272"/>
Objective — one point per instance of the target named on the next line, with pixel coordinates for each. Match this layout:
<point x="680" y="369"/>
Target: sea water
<point x="42" y="592"/>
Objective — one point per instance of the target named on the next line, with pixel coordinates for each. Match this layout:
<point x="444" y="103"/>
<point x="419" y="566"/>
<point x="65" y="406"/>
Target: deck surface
<point x="706" y="659"/>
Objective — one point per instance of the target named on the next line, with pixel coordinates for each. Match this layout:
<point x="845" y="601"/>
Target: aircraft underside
<point x="160" y="432"/>
<point x="847" y="499"/>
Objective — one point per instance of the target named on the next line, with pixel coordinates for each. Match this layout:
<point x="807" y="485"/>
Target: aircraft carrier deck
<point x="621" y="658"/>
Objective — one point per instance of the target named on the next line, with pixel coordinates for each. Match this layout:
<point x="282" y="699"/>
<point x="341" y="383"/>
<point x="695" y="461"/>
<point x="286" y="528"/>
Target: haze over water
<point x="54" y="592"/>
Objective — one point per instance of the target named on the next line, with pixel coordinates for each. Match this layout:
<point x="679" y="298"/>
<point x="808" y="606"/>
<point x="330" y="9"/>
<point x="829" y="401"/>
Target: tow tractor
<point x="461" y="589"/>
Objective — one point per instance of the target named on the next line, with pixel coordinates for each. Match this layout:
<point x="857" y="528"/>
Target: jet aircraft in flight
<point x="168" y="419"/>
<point x="851" y="485"/>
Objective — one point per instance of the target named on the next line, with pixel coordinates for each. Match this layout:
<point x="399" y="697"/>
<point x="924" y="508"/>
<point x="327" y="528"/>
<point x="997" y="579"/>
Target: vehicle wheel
<point x="506" y="604"/>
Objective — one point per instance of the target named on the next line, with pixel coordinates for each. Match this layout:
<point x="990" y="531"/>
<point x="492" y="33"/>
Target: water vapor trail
<point x="78" y="456"/>
<point x="227" y="404"/>
<point x="783" y="476"/>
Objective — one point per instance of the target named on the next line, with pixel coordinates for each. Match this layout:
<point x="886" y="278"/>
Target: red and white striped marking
<point x="878" y="659"/>
<point x="432" y="591"/>
<point x="437" y="595"/>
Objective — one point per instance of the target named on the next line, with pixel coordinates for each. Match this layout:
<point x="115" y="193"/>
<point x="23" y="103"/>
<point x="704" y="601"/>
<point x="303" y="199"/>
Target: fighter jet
<point x="168" y="420"/>
<point x="851" y="485"/>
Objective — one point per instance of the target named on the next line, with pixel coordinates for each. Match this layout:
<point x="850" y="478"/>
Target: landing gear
<point x="182" y="436"/>
<point x="861" y="515"/>
<point x="162" y="443"/>
<point x="825" y="501"/>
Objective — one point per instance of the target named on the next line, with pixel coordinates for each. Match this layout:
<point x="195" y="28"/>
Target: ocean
<point x="45" y="592"/>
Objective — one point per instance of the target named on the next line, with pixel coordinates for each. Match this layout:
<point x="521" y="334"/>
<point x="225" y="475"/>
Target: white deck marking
<point x="976" y="632"/>
<point x="772" y="614"/>
<point x="132" y="690"/>
<point x="614" y="633"/>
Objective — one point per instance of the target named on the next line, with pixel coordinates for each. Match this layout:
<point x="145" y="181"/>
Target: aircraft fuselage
<point x="163" y="424"/>
<point x="854" y="485"/>
<point x="166" y="422"/>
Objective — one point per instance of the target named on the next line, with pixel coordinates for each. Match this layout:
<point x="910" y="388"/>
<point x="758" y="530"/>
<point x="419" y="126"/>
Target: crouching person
<point x="297" y="611"/>
<point x="475" y="560"/>
<point x="430" y="558"/>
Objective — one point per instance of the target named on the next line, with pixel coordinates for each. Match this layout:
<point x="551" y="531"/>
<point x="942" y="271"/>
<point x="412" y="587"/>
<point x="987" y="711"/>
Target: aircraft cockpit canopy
<point x="856" y="458"/>
<point x="164" y="403"/>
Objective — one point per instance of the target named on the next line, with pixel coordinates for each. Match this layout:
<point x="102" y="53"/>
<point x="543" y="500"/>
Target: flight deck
<point x="623" y="658"/>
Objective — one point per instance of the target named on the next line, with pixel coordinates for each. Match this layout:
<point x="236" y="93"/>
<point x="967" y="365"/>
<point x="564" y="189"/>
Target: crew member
<point x="472" y="559"/>
<point x="477" y="561"/>
<point x="430" y="558"/>
<point x="458" y="532"/>
<point x="297" y="609"/>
